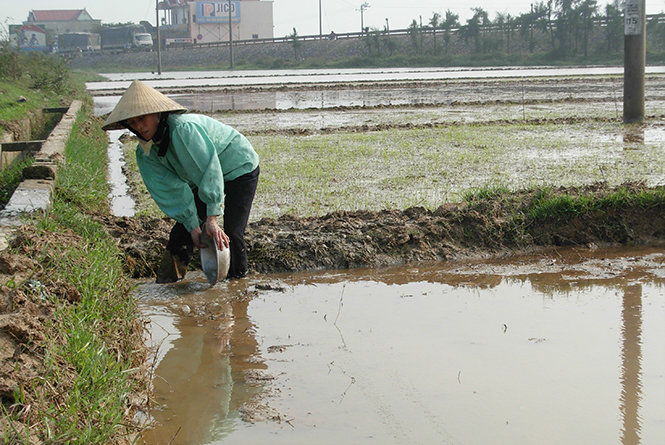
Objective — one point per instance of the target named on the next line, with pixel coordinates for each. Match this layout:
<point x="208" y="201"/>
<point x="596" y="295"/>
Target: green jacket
<point x="203" y="153"/>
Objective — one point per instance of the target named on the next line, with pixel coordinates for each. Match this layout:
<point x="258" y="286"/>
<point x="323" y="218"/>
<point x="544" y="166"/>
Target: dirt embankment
<point x="498" y="225"/>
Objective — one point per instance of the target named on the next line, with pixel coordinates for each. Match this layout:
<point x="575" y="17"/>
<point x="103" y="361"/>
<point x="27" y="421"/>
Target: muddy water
<point x="564" y="347"/>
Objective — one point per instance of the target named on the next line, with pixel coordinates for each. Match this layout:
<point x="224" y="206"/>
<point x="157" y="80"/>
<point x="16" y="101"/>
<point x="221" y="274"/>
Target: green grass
<point x="478" y="194"/>
<point x="549" y="205"/>
<point x="84" y="182"/>
<point x="44" y="80"/>
<point x="90" y="352"/>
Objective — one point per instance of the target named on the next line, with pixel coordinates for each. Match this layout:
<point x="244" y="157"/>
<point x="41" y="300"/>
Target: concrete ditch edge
<point x="35" y="192"/>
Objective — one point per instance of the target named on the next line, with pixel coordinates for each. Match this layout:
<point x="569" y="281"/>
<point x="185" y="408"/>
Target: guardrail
<point x="660" y="18"/>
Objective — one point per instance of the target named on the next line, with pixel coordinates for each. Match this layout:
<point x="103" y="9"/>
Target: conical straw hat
<point x="138" y="100"/>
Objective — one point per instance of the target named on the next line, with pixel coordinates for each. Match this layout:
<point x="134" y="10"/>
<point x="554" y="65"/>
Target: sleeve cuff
<point x="214" y="209"/>
<point x="191" y="224"/>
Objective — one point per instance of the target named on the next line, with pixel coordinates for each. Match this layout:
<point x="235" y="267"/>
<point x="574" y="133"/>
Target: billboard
<point x="217" y="12"/>
<point x="28" y="37"/>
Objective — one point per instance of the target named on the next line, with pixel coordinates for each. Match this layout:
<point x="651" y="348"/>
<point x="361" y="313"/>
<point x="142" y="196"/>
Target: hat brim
<point x="140" y="99"/>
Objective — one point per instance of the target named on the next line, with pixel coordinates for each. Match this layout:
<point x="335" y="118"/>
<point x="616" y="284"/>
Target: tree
<point x="475" y="29"/>
<point x="485" y="22"/>
<point x="451" y="21"/>
<point x="564" y="21"/>
<point x="587" y="13"/>
<point x="544" y="12"/>
<point x="434" y="23"/>
<point x="656" y="27"/>
<point x="414" y="32"/>
<point x="538" y="19"/>
<point x="505" y="24"/>
<point x="527" y="23"/>
<point x="295" y="42"/>
<point x="373" y="40"/>
<point x="614" y="26"/>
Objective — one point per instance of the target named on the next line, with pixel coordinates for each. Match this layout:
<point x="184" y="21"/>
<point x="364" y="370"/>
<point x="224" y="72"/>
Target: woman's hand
<point x="196" y="238"/>
<point x="215" y="232"/>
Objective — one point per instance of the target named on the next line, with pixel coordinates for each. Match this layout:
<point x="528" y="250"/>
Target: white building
<point x="208" y="21"/>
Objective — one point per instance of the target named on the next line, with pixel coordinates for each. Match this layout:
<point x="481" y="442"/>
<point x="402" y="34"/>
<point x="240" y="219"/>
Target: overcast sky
<point x="303" y="15"/>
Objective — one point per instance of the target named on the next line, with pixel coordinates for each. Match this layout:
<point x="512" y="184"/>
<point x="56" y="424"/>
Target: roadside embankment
<point x="72" y="355"/>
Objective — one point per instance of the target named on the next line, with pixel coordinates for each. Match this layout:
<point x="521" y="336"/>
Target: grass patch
<point x="42" y="80"/>
<point x="551" y="205"/>
<point x="91" y="352"/>
<point x="476" y="195"/>
<point x="83" y="182"/>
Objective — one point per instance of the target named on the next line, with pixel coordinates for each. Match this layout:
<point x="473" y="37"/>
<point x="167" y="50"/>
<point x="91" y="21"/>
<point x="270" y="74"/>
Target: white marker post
<point x="634" y="61"/>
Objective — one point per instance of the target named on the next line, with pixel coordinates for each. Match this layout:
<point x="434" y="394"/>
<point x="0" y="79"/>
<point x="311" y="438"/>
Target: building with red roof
<point x="59" y="21"/>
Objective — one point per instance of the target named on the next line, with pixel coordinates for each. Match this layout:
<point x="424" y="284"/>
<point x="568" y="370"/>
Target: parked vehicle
<point x="126" y="37"/>
<point x="79" y="41"/>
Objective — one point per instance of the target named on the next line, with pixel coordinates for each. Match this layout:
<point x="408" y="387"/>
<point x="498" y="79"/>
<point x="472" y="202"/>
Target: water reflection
<point x="631" y="364"/>
<point x="208" y="375"/>
<point x="633" y="136"/>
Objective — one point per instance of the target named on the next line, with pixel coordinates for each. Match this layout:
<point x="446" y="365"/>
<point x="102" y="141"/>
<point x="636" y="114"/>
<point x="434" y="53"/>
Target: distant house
<point x="61" y="21"/>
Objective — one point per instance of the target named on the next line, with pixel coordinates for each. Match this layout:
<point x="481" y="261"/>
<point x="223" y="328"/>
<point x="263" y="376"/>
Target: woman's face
<point x="146" y="125"/>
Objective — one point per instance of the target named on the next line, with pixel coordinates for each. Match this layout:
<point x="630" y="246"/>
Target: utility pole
<point x="159" y="40"/>
<point x="230" y="37"/>
<point x="634" y="61"/>
<point x="390" y="47"/>
<point x="362" y="9"/>
<point x="320" y="25"/>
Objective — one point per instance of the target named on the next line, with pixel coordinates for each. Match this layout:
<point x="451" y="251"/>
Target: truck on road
<point x="126" y="38"/>
<point x="70" y="42"/>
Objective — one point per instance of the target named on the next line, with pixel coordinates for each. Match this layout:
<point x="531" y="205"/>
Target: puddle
<point x="561" y="348"/>
<point x="121" y="203"/>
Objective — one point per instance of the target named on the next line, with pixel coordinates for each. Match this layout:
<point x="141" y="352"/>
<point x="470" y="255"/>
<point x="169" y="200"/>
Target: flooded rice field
<point x="560" y="348"/>
<point x="321" y="89"/>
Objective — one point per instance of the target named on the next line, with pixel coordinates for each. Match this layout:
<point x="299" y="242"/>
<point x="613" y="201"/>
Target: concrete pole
<point x="634" y="61"/>
<point x="320" y="24"/>
<point x="362" y="11"/>
<point x="159" y="41"/>
<point x="230" y="37"/>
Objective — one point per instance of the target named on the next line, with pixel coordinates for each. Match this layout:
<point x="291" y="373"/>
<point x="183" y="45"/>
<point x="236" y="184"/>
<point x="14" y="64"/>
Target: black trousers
<point x="239" y="195"/>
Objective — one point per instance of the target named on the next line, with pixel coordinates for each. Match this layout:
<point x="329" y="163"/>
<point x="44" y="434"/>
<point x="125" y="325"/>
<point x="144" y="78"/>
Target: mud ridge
<point x="490" y="227"/>
<point x="430" y="125"/>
